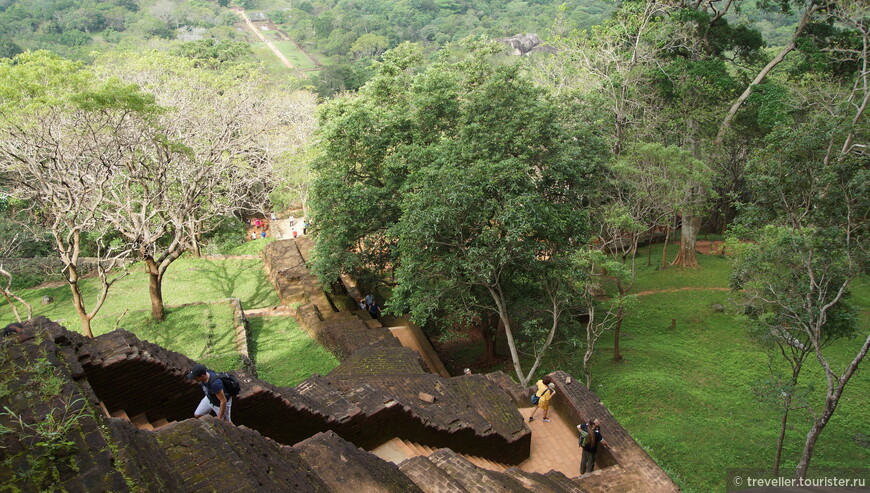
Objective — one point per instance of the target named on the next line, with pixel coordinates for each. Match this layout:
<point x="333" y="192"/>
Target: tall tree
<point x="492" y="173"/>
<point x="224" y="130"/>
<point x="811" y="183"/>
<point x="64" y="135"/>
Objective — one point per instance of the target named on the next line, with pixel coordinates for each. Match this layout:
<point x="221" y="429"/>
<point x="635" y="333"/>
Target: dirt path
<point x="676" y="290"/>
<point x="257" y="33"/>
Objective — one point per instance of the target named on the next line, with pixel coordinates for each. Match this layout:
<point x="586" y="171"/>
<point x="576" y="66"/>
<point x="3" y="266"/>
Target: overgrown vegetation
<point x="51" y="437"/>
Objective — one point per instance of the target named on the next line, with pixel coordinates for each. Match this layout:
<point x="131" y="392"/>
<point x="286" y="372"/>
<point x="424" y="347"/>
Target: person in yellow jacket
<point x="546" y="391"/>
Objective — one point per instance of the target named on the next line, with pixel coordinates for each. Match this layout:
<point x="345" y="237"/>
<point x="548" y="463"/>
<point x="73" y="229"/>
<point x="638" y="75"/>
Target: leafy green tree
<point x="369" y="45"/>
<point x="647" y="188"/>
<point x="491" y="173"/>
<point x="810" y="184"/>
<point x="8" y="48"/>
<point x="211" y="53"/>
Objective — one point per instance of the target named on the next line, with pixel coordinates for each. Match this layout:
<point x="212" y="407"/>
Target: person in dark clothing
<point x="592" y="430"/>
<point x="215" y="399"/>
<point x="374" y="310"/>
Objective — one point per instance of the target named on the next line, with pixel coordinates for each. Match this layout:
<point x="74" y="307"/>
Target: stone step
<point x="534" y="481"/>
<point x="472" y="478"/>
<point x="141" y="422"/>
<point x="429" y="477"/>
<point x="567" y="485"/>
<point x="394" y="451"/>
<point x="373" y="323"/>
<point x="160" y="423"/>
<point x="119" y="413"/>
<point x="418" y="449"/>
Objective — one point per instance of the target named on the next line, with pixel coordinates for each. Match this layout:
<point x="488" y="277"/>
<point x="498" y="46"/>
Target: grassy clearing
<point x="254" y="247"/>
<point x="196" y="331"/>
<point x="270" y="63"/>
<point x="686" y="393"/>
<point x="187" y="280"/>
<point x="200" y="332"/>
<point x="285" y="355"/>
<point x="296" y="57"/>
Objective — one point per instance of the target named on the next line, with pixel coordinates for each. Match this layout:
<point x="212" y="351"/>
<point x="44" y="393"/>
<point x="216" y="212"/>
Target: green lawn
<point x="686" y="393"/>
<point x="269" y="61"/>
<point x="284" y="354"/>
<point x="253" y="247"/>
<point x="201" y="332"/>
<point x="187" y="280"/>
<point x="296" y="57"/>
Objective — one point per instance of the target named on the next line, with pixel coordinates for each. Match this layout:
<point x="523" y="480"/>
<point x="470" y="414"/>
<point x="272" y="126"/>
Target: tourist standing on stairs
<point x="374" y="310"/>
<point x="215" y="398"/>
<point x="541" y="398"/>
<point x="590" y="438"/>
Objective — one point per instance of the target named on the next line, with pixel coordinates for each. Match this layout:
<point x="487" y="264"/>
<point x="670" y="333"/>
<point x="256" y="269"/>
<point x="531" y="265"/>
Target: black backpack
<point x="231" y="384"/>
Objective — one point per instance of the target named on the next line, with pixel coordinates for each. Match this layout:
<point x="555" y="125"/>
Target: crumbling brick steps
<point x="542" y="483"/>
<point x="140" y="421"/>
<point x="474" y="479"/>
<point x="398" y="450"/>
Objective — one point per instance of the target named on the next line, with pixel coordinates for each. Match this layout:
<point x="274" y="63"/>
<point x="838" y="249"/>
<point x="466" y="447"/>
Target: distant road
<point x="257" y="33"/>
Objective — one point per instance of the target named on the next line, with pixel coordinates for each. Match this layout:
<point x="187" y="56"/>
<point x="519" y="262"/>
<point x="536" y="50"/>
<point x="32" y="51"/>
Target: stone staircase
<point x="445" y="471"/>
<point x="140" y="421"/>
<point x="398" y="450"/>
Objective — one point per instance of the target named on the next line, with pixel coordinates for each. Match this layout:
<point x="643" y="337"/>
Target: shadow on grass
<point x="227" y="281"/>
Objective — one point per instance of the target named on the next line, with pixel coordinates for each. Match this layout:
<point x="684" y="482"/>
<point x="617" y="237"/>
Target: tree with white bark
<point x="223" y="132"/>
<point x="63" y="133"/>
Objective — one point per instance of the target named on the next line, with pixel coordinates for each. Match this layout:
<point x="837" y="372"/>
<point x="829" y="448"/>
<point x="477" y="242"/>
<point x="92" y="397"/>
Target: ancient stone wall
<point x="624" y="466"/>
<point x="50" y="265"/>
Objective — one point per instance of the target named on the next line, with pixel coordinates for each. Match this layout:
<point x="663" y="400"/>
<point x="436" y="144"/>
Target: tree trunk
<point x="501" y="304"/>
<point x="78" y="301"/>
<point x="616" y="354"/>
<point x="649" y="248"/>
<point x="810" y="444"/>
<point x="488" y="334"/>
<point x="686" y="257"/>
<point x="832" y="399"/>
<point x="781" y="439"/>
<point x="665" y="247"/>
<point x="485" y="330"/>
<point x="194" y="247"/>
<point x="155" y="289"/>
